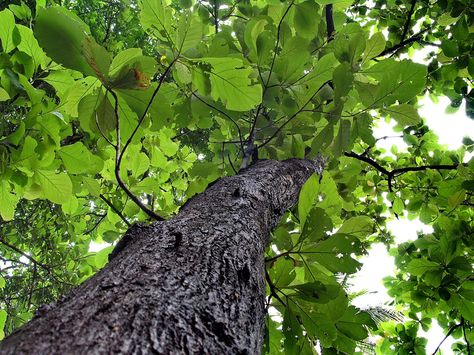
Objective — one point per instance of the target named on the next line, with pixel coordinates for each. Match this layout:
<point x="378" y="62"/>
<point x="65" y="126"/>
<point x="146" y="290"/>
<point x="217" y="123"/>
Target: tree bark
<point x="194" y="284"/>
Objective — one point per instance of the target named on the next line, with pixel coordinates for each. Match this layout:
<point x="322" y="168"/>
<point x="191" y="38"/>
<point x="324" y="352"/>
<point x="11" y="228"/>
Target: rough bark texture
<point x="194" y="284"/>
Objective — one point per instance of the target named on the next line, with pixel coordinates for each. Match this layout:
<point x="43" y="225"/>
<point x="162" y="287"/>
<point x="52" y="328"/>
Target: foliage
<point x="123" y="117"/>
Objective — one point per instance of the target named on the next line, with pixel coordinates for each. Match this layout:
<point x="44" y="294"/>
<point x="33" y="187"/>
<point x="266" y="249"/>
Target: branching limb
<point x="451" y="330"/>
<point x="115" y="209"/>
<point x="96" y="224"/>
<point x="292" y="116"/>
<point x="394" y="49"/>
<point x="120" y="152"/>
<point x="22" y="253"/>
<point x="408" y="20"/>
<point x="329" y="22"/>
<point x="225" y="115"/>
<point x="400" y="171"/>
<point x="468" y="345"/>
<point x="273" y="289"/>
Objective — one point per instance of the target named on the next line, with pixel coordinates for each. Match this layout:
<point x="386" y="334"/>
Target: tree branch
<point x="292" y="116"/>
<point x="451" y="330"/>
<point x="400" y="171"/>
<point x="225" y="115"/>
<point x="21" y="252"/>
<point x="329" y="22"/>
<point x="468" y="345"/>
<point x="115" y="209"/>
<point x="394" y="49"/>
<point x="407" y="23"/>
<point x="119" y="156"/>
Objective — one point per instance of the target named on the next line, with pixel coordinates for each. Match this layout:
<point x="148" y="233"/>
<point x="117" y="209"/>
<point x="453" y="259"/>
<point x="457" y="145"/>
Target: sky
<point x="378" y="263"/>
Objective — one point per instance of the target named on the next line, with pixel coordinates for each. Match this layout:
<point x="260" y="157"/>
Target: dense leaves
<point x="116" y="112"/>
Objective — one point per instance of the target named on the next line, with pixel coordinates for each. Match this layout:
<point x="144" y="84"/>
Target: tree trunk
<point x="194" y="284"/>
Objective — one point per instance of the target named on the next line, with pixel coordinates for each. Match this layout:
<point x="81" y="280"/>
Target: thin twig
<point x="225" y="115"/>
<point x="19" y="251"/>
<point x="118" y="159"/>
<point x="407" y="23"/>
<point x="400" y="171"/>
<point x="451" y="330"/>
<point x="115" y="209"/>
<point x="394" y="49"/>
<point x="292" y="116"/>
<point x="468" y="345"/>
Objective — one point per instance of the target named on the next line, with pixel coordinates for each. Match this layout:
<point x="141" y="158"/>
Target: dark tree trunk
<point x="194" y="284"/>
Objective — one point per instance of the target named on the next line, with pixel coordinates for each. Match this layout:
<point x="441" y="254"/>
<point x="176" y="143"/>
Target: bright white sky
<point x="450" y="128"/>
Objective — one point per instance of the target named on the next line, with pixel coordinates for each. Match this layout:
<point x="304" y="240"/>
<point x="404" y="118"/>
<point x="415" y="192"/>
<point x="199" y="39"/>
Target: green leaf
<point x="8" y="201"/>
<point x="324" y="138"/>
<point x="335" y="252"/>
<point x="316" y="291"/>
<point x="375" y="46"/>
<point x="450" y="48"/>
<point x="131" y="70"/>
<point x="230" y="83"/>
<point x="418" y="267"/>
<point x="342" y="140"/>
<point x="282" y="272"/>
<point x="306" y="19"/>
<point x="316" y="226"/>
<point x="62" y="35"/>
<point x="465" y="306"/>
<point x="66" y="40"/>
<point x="457" y="198"/>
<point x="30" y="46"/>
<point x="253" y="30"/>
<point x="91" y="185"/>
<point x="8" y="33"/>
<point x="398" y="81"/>
<point x="101" y="257"/>
<point x="307" y="198"/>
<point x="78" y="159"/>
<point x="189" y="32"/>
<point x="3" y="319"/>
<point x="404" y="114"/>
<point x="290" y="63"/>
<point x="398" y="205"/>
<point x="56" y="187"/>
<point x="353" y="323"/>
<point x="156" y="16"/>
<point x="361" y="226"/>
<point x="312" y="83"/>
<point x="4" y="95"/>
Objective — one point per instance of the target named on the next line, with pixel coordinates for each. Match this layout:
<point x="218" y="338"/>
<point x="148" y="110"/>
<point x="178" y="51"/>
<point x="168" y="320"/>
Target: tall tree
<point x="228" y="111"/>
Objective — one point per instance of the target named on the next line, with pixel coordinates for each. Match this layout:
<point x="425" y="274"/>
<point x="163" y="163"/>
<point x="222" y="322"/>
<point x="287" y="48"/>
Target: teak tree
<point x="226" y="149"/>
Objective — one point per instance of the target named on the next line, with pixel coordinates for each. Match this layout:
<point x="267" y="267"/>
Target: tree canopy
<point x="117" y="112"/>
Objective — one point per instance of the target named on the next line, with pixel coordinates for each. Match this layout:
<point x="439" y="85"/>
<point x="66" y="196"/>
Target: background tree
<point x="124" y="117"/>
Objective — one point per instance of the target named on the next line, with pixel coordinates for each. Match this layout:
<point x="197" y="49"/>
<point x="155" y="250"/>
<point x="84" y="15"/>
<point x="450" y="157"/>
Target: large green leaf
<point x="156" y="15"/>
<point x="56" y="187"/>
<point x="397" y="81"/>
<point x="418" y="267"/>
<point x="78" y="159"/>
<point x="189" y="32"/>
<point x="66" y="40"/>
<point x="8" y="33"/>
<point x="30" y="46"/>
<point x="404" y="114"/>
<point x="306" y="19"/>
<point x="230" y="83"/>
<point x="8" y="201"/>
